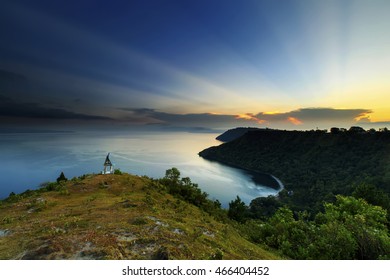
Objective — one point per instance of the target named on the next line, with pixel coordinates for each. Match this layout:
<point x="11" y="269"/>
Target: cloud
<point x="316" y="115"/>
<point x="206" y="120"/>
<point x="294" y="121"/>
<point x="304" y="118"/>
<point x="250" y="116"/>
<point x="189" y="129"/>
<point x="172" y="118"/>
<point x="18" y="109"/>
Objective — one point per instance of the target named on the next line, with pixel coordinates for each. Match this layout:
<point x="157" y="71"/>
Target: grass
<point x="116" y="217"/>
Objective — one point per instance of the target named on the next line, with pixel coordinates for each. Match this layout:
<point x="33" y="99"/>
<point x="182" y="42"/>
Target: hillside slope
<point x="115" y="217"/>
<point x="313" y="164"/>
<point x="234" y="133"/>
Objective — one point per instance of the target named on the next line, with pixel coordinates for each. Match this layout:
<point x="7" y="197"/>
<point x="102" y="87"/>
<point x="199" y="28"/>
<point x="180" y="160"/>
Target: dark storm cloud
<point x="173" y="118"/>
<point x="17" y="109"/>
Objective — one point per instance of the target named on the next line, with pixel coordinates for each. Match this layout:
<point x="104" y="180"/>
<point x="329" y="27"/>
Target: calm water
<point x="29" y="159"/>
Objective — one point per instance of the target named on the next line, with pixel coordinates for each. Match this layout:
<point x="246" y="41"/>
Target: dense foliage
<point x="237" y="210"/>
<point x="350" y="228"/>
<point x="190" y="192"/>
<point x="335" y="204"/>
<point x="315" y="165"/>
<point x="234" y="133"/>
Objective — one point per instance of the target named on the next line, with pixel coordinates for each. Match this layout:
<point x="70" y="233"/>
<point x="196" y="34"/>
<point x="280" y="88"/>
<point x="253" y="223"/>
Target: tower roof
<point x="107" y="162"/>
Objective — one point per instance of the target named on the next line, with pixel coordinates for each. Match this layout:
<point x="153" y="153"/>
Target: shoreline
<point x="281" y="186"/>
<point x="276" y="183"/>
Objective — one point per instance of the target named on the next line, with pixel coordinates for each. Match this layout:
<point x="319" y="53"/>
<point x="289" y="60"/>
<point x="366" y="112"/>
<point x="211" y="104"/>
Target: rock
<point x="4" y="232"/>
<point x="178" y="231"/>
<point x="162" y="254"/>
<point x="41" y="253"/>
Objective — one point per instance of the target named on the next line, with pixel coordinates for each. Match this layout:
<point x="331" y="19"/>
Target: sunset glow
<point x="294" y="121"/>
<point x="267" y="59"/>
<point x="250" y="117"/>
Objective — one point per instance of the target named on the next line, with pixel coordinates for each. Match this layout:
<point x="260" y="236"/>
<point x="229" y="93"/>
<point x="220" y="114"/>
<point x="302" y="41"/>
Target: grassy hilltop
<point x="117" y="217"/>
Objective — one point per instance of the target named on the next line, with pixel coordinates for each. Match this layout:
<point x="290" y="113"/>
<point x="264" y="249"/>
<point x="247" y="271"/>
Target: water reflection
<point x="34" y="158"/>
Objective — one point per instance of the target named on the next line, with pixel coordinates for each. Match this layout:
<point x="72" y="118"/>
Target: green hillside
<point x="119" y="216"/>
<point x="234" y="133"/>
<point x="314" y="165"/>
<point x="335" y="204"/>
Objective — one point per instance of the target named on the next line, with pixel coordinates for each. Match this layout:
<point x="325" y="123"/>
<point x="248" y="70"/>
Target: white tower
<point x="108" y="165"/>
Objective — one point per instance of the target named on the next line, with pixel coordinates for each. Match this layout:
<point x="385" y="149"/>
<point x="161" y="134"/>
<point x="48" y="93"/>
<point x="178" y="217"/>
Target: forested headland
<point x="314" y="166"/>
<point x="330" y="179"/>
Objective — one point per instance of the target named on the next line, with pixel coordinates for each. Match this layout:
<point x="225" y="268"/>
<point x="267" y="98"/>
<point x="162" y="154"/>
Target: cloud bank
<point x="10" y="108"/>
<point x="304" y="118"/>
<point x="319" y="115"/>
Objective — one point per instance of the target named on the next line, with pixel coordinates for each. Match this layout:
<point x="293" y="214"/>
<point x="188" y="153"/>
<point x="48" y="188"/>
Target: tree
<point x="264" y="207"/>
<point x="172" y="174"/>
<point x="238" y="210"/>
<point x="292" y="237"/>
<point x="356" y="129"/>
<point x="365" y="223"/>
<point x="350" y="228"/>
<point x="333" y="241"/>
<point x="335" y="130"/>
<point x="186" y="181"/>
<point x="372" y="195"/>
<point x="61" y="178"/>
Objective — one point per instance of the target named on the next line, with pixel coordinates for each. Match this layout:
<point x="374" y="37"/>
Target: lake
<point x="29" y="159"/>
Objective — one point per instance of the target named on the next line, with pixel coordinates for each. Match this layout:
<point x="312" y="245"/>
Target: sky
<point x="215" y="64"/>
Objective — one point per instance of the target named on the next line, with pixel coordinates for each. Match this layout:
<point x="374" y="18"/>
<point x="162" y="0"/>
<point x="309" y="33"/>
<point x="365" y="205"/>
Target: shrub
<point x="218" y="255"/>
<point x="139" y="221"/>
<point x="350" y="228"/>
<point x="62" y="178"/>
<point x="238" y="210"/>
<point x="118" y="172"/>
